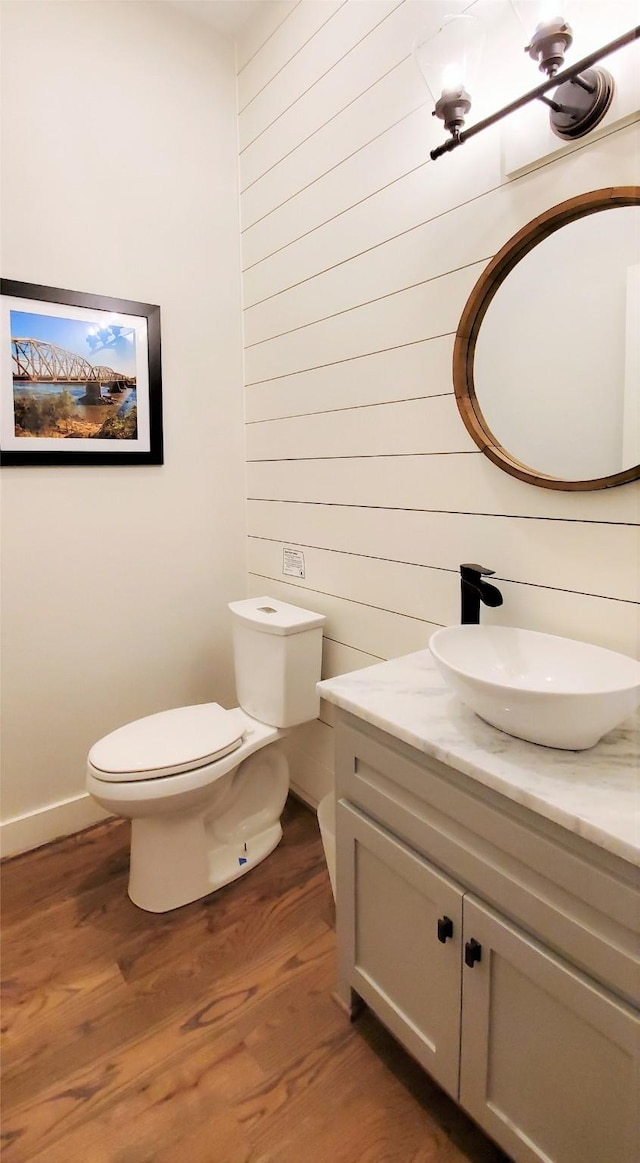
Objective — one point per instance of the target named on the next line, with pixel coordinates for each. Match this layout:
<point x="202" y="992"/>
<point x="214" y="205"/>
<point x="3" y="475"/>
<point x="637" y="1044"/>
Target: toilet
<point x="205" y="787"/>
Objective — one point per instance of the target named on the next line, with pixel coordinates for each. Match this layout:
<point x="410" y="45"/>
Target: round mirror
<point x="547" y="355"/>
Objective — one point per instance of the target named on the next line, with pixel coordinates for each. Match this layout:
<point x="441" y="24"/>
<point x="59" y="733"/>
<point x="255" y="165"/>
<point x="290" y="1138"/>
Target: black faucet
<point x="474" y="591"/>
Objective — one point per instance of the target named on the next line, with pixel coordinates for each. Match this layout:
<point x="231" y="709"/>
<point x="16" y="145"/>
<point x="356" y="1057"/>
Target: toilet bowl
<point x="205" y="787"/>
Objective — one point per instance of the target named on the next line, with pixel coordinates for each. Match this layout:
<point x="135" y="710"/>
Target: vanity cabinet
<point x="391" y="910"/>
<point x="501" y="951"/>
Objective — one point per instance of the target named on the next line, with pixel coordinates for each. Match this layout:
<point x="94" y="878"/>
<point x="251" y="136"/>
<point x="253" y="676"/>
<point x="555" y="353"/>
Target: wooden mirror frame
<point x="475" y="310"/>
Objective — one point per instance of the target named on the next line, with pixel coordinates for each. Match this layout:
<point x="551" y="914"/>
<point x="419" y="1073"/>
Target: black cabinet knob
<point x="472" y="952"/>
<point x="445" y="928"/>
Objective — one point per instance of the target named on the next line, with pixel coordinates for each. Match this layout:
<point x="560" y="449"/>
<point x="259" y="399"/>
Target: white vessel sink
<point x="538" y="687"/>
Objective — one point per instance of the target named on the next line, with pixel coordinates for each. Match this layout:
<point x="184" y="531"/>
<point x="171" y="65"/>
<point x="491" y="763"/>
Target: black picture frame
<point x="133" y="343"/>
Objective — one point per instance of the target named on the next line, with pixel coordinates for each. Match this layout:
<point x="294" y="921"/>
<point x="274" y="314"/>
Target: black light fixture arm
<point x="570" y="74"/>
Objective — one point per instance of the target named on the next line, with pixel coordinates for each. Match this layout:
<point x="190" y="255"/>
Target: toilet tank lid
<point x="168" y="743"/>
<point x="274" y="617"/>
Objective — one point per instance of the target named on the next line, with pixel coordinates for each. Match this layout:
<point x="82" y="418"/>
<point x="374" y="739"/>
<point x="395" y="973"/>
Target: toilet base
<point x="232" y="860"/>
<point x="157" y="884"/>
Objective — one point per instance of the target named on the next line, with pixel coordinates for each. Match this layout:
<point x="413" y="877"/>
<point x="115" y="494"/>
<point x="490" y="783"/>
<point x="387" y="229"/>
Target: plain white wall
<point x="119" y="177"/>
<point x="359" y="254"/>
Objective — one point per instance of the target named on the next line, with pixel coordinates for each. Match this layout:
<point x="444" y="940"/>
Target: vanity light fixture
<point x="449" y="62"/>
<point x="583" y="92"/>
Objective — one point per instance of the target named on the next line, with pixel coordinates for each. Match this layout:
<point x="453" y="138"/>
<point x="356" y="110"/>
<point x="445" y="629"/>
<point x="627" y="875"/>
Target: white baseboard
<point x="21" y="833"/>
<point x="33" y="829"/>
<point x="311" y="781"/>
<point x="303" y="796"/>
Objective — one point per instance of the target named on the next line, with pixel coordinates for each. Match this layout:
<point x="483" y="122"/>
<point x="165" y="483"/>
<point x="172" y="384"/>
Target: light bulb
<point x="452" y="76"/>
<point x="532" y="13"/>
<point x="549" y="10"/>
<point x="449" y="59"/>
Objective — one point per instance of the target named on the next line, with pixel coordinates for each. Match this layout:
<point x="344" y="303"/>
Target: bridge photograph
<point x="73" y="378"/>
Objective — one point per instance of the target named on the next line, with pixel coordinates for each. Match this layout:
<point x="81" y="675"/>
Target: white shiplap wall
<point x="358" y="255"/>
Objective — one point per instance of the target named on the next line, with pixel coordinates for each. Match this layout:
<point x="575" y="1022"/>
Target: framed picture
<point x="80" y="378"/>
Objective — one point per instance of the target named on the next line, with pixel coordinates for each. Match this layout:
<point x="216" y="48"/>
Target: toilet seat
<point x="167" y="743"/>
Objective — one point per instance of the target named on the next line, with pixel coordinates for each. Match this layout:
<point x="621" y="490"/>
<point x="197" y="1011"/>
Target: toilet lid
<point x="167" y="743"/>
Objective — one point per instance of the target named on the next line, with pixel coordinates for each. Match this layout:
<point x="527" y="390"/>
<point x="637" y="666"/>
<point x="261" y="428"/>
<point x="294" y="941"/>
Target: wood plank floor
<point x="206" y="1035"/>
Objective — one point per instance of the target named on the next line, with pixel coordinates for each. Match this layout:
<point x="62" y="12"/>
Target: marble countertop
<point x="594" y="793"/>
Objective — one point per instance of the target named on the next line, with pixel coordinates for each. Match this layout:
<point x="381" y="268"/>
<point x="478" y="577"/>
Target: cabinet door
<point x="393" y="952"/>
<point x="549" y="1061"/>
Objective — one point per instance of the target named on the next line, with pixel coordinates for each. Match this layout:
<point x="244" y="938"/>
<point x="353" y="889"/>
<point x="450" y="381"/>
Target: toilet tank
<point x="277" y="652"/>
